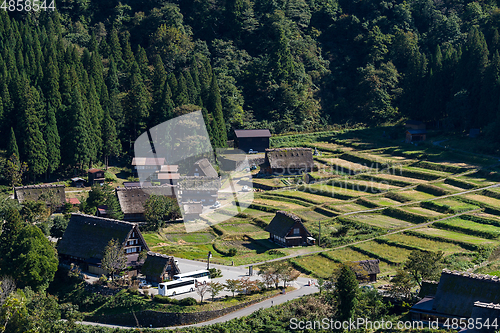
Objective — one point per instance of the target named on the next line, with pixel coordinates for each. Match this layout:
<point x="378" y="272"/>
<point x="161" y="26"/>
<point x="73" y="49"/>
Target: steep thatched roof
<point x="94" y="170"/>
<point x="132" y="199"/>
<point x="199" y="183"/>
<point x="33" y="192"/>
<point x="205" y="168"/>
<point x="369" y="266"/>
<point x="157" y="263"/>
<point x="282" y="222"/>
<point x="87" y="236"/>
<point x="458" y="291"/>
<point x="255" y="133"/>
<point x="290" y="158"/>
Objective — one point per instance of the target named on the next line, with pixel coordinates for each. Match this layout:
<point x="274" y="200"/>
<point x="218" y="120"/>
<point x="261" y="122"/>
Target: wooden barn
<point x="287" y="229"/>
<point x="367" y="269"/>
<point x="199" y="189"/>
<point x="256" y="139"/>
<point x="288" y="161"/>
<point x="461" y="295"/>
<point x="132" y="199"/>
<point x="96" y="176"/>
<point x="159" y="267"/>
<point x="86" y="238"/>
<point x="415" y="135"/>
<point x="203" y="168"/>
<point x="53" y="195"/>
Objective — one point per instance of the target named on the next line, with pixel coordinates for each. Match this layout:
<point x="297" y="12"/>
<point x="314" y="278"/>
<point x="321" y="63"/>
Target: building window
<point x="296" y="231"/>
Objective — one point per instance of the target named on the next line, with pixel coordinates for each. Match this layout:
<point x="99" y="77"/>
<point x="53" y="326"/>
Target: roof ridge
<point x="38" y="186"/>
<point x="474" y="276"/>
<point x="495" y="306"/>
<point x="99" y="218"/>
<point x="290" y="215"/>
<point x="156" y="254"/>
<point x="287" y="149"/>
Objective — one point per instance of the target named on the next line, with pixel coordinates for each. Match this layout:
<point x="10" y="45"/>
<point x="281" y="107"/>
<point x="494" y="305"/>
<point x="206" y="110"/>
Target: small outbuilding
<point x="78" y="182"/>
<point x="159" y="267"/>
<point x="96" y="176"/>
<point x="289" y="161"/>
<point x="256" y="139"/>
<point x="203" y="168"/>
<point x="287" y="229"/>
<point x="52" y="194"/>
<point x="416" y="135"/>
<point x="368" y="269"/>
<point x="132" y="199"/>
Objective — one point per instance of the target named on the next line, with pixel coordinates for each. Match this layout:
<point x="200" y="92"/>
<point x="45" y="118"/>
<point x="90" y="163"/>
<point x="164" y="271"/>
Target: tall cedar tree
<point x="181" y="96"/>
<point x="51" y="136"/>
<point x="346" y="292"/>
<point x="158" y="83"/>
<point x="142" y="61"/>
<point x="116" y="49"/>
<point x="281" y="58"/>
<point x="138" y="101"/>
<point x="11" y="230"/>
<point x="167" y="105"/>
<point x="111" y="143"/>
<point x="79" y="134"/>
<point x="214" y="106"/>
<point x="12" y="145"/>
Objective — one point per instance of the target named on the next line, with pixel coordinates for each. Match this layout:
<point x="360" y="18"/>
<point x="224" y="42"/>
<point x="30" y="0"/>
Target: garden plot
<point x="349" y="254"/>
<point x="454" y="205"/>
<point x="483" y="199"/>
<point x="393" y="254"/>
<point x="406" y="180"/>
<point x="449" y="187"/>
<point x="470" y="227"/>
<point x="278" y="204"/>
<point x="382" y="221"/>
<point x="414" y="195"/>
<point x="195" y="238"/>
<point x="382" y="201"/>
<point x="454" y="236"/>
<point x="240" y="228"/>
<point x="348" y="207"/>
<point x="423" y="211"/>
<point x="424" y="243"/>
<point x="342" y="166"/>
<point x="312" y="198"/>
<point x="321" y="266"/>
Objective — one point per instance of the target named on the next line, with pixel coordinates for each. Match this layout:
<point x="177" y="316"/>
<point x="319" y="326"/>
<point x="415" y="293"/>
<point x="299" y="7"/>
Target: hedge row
<point x="374" y="255"/>
<point x="492" y="210"/>
<point x="396" y="244"/>
<point x="433" y="205"/>
<point x="264" y="208"/>
<point x="481" y="220"/>
<point x="440" y="167"/>
<point x="218" y="230"/>
<point x="432" y="189"/>
<point x="366" y="203"/>
<point x="363" y="160"/>
<point x="167" y="300"/>
<point x="325" y="212"/>
<point x="468" y="231"/>
<point x="394" y="182"/>
<point x="414" y="174"/>
<point x="280" y="198"/>
<point x="396" y="196"/>
<point x="491" y="194"/>
<point x="465" y="245"/>
<point x="329" y="257"/>
<point x="460" y="183"/>
<point x="341" y="196"/>
<point x="405" y="215"/>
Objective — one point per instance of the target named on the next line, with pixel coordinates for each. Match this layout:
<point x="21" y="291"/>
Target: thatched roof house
<point x="87" y="236"/>
<point x="456" y="295"/>
<point x="287" y="229"/>
<point x="203" y="168"/>
<point x="132" y="199"/>
<point x="368" y="268"/>
<point x="288" y="160"/>
<point x="52" y="195"/>
<point x="199" y="189"/>
<point x="159" y="267"/>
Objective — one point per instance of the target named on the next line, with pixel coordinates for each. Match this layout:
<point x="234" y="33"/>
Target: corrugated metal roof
<point x="256" y="133"/>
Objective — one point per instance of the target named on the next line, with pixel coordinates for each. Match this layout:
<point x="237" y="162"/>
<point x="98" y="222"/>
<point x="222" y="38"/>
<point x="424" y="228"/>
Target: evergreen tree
<point x="138" y="101"/>
<point x="142" y="61"/>
<point x="281" y="59"/>
<point x="116" y="49"/>
<point x="346" y="292"/>
<point x="79" y="135"/>
<point x="181" y="96"/>
<point x="12" y="145"/>
<point x="214" y="107"/>
<point x="490" y="90"/>
<point x="11" y="229"/>
<point x="128" y="55"/>
<point x="51" y="137"/>
<point x="191" y="89"/>
<point x="51" y="86"/>
<point x="167" y="106"/>
<point x="111" y="143"/>
<point x="95" y="115"/>
<point x="158" y="83"/>
<point x="172" y="83"/>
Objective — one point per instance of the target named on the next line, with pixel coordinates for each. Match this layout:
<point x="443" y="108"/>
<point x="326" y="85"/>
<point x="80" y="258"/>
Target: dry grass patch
<point x="350" y="254"/>
<point x="424" y="243"/>
<point x="381" y="221"/>
<point x="401" y="178"/>
<point x="392" y="253"/>
<point x="455" y="236"/>
<point x="279" y="204"/>
<point x="423" y="211"/>
<point x="414" y="195"/>
<point x="347" y="208"/>
<point x="484" y="199"/>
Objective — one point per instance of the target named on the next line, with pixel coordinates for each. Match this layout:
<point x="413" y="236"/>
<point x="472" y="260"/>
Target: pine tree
<point x="142" y="61"/>
<point x="214" y="107"/>
<point x="79" y="136"/>
<point x="95" y="115"/>
<point x="172" y="83"/>
<point x="111" y="143"/>
<point x="96" y="72"/>
<point x="12" y="145"/>
<point x="138" y="102"/>
<point x="128" y="55"/>
<point x="191" y="89"/>
<point x="181" y="96"/>
<point x="51" y="85"/>
<point x="346" y="292"/>
<point x="167" y="106"/>
<point x="51" y="137"/>
<point x="116" y="49"/>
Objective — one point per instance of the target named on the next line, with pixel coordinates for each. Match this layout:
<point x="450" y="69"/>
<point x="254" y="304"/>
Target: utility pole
<point x="319" y="237"/>
<point x="208" y="259"/>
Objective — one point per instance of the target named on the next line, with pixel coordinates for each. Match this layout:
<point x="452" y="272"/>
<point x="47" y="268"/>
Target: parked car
<point x="216" y="205"/>
<point x="251" y="151"/>
<point x="144" y="284"/>
<point x="245" y="189"/>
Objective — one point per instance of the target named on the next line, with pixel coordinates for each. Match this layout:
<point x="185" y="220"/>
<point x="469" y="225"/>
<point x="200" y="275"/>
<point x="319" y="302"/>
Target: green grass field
<point x="152" y="239"/>
<point x="240" y="228"/>
<point x="449" y="187"/>
<point x="481" y="181"/>
<point x="347" y="207"/>
<point x="400" y="178"/>
<point x="278" y="204"/>
<point x="313" y="198"/>
<point x="452" y="235"/>
<point x="197" y="237"/>
<point x="381" y="221"/>
<point x="473" y="226"/>
<point x="334" y="190"/>
<point x="349" y="254"/>
<point x="423" y="211"/>
<point x="415" y="195"/>
<point x="321" y="266"/>
<point x="382" y="201"/>
<point x="391" y="253"/>
<point x="483" y="199"/>
<point x="311" y="215"/>
<point x="424" y="243"/>
<point x="455" y="205"/>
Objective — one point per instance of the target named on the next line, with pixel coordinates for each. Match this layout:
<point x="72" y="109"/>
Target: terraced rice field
<point x="382" y="221"/>
<point x="382" y="201"/>
<point x="321" y="266"/>
<point x="472" y="226"/>
<point x="481" y="181"/>
<point x="314" y="198"/>
<point x="487" y="216"/>
<point x="400" y="178"/>
<point x="278" y="204"/>
<point x="457" y="236"/>
<point x="331" y="146"/>
<point x="340" y="165"/>
<point x="449" y="187"/>
<point x="415" y="195"/>
<point x="423" y="211"/>
<point x="347" y="208"/>
<point x="311" y="215"/>
<point x="392" y="253"/>
<point x="483" y="199"/>
<point x="425" y="244"/>
<point x="367" y="186"/>
<point x="334" y="190"/>
<point x="348" y="254"/>
<point x="456" y="205"/>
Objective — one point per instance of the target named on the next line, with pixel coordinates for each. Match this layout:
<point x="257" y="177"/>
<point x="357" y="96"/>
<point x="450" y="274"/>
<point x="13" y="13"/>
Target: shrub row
<point x="440" y="167"/>
<point x="491" y="194"/>
<point x="373" y="255"/>
<point x="414" y="174"/>
<point x="394" y="182"/>
<point x="218" y="230"/>
<point x="167" y="300"/>
<point x="432" y="189"/>
<point x="264" y="208"/>
<point x="366" y="203"/>
<point x="492" y="210"/>
<point x="460" y="183"/>
<point x="405" y="215"/>
<point x="341" y="196"/>
<point x="396" y="244"/>
<point x="228" y="253"/>
<point x="468" y="231"/>
<point x="433" y="205"/>
<point x="325" y="212"/>
<point x="465" y="245"/>
<point x="481" y="220"/>
<point x="285" y="199"/>
<point x="396" y="196"/>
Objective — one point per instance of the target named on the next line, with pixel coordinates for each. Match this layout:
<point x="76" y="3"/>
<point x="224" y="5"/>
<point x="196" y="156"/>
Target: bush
<point x="110" y="177"/>
<point x="215" y="273"/>
<point x="275" y="252"/>
<point x="405" y="215"/>
<point x="431" y="189"/>
<point x="164" y="299"/>
<point x="188" y="301"/>
<point x="232" y="252"/>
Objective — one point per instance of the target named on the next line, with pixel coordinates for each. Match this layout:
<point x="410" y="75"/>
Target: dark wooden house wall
<point x="257" y="144"/>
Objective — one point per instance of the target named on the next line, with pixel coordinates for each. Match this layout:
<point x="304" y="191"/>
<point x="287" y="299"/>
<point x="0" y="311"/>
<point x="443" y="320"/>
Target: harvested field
<point x="423" y="211"/>
<point x="456" y="236"/>
<point x="425" y="244"/>
<point x="278" y="204"/>
<point x="382" y="201"/>
<point x="313" y="198"/>
<point x="415" y="195"/>
<point x="321" y="266"/>
<point x="311" y="215"/>
<point x="349" y="254"/>
<point x="347" y="208"/>
<point x="343" y="166"/>
<point x="381" y="221"/>
<point x="400" y="178"/>
<point x="449" y="187"/>
<point x="391" y="253"/>
<point x="483" y="199"/>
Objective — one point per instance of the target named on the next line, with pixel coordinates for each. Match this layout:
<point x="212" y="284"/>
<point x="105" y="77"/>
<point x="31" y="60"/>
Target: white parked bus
<point x="201" y="276"/>
<point x="176" y="287"/>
